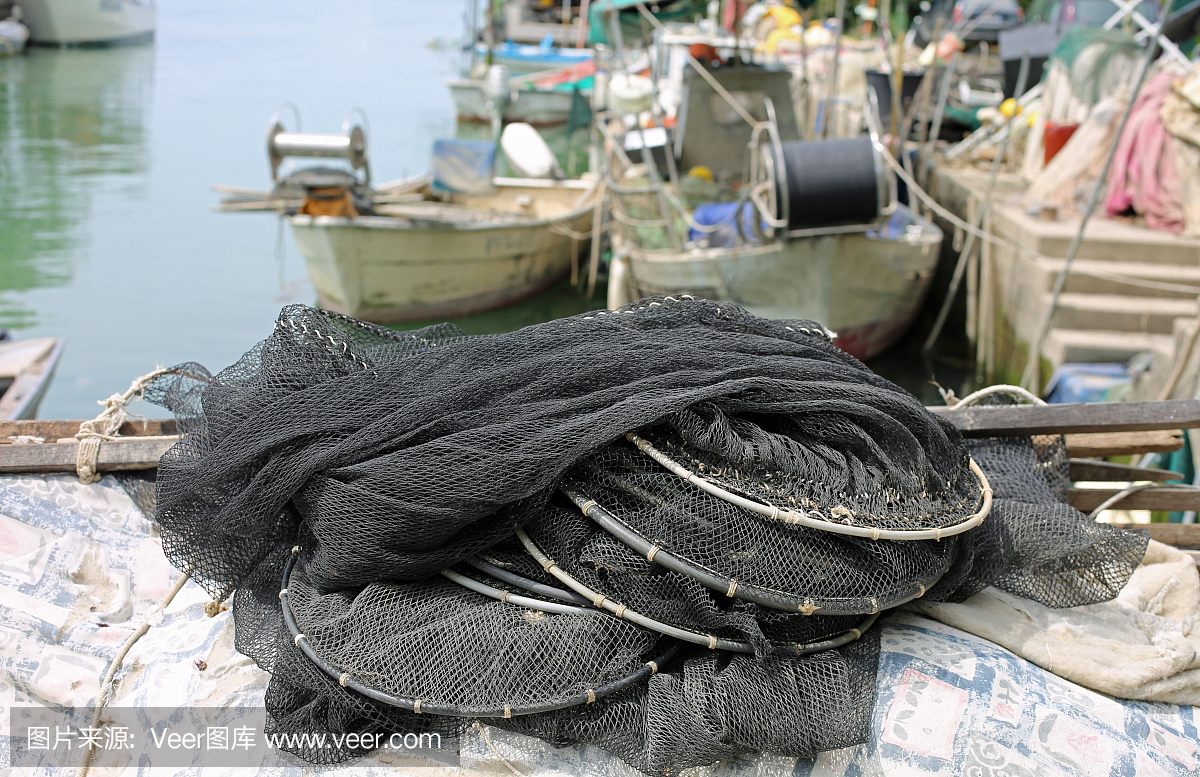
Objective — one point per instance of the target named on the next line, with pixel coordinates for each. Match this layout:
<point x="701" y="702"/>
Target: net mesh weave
<point x="386" y="457"/>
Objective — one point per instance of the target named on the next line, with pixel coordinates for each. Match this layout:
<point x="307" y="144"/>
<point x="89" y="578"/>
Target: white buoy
<point x="528" y="155"/>
<point x="630" y="93"/>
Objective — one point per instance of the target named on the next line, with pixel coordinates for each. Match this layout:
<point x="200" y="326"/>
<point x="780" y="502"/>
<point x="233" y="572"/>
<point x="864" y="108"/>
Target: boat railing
<point x="758" y="189"/>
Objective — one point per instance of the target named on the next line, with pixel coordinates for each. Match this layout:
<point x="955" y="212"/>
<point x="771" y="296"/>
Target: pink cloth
<point x="1144" y="174"/>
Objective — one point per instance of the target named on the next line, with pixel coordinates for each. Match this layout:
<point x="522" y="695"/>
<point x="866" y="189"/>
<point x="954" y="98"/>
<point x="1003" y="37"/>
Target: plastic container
<point x="465" y="166"/>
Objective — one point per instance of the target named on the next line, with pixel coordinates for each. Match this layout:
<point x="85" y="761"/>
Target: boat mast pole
<point x="656" y="183"/>
<point x="888" y="37"/>
<point x="489" y="34"/>
<point x="1030" y="376"/>
<point x="833" y="79"/>
<point x="804" y="84"/>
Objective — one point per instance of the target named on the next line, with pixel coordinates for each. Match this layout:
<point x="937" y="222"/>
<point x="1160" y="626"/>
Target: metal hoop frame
<point x="787" y="515"/>
<point x="421" y="706"/>
<point x="697" y="638"/>
<point x="714" y="581"/>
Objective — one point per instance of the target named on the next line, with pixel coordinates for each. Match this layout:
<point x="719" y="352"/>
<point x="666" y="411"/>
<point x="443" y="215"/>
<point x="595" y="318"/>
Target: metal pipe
<point x="943" y="96"/>
<point x="581" y="36"/>
<point x="1031" y="366"/>
<point x="984" y="203"/>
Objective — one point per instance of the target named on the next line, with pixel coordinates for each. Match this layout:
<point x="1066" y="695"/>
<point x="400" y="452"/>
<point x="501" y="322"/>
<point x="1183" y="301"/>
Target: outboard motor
<point x="496" y="87"/>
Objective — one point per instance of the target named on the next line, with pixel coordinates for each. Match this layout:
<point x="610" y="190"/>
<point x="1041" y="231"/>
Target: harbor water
<point x="107" y="231"/>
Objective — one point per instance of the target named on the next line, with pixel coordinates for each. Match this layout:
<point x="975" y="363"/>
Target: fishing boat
<point x="867" y="285"/>
<point x="534" y="106"/>
<point x="537" y="22"/>
<point x="541" y="99"/>
<point x="733" y="206"/>
<point x="89" y="22"/>
<point x="435" y="256"/>
<point x="523" y="58"/>
<point x="26" y="369"/>
<point x="456" y="242"/>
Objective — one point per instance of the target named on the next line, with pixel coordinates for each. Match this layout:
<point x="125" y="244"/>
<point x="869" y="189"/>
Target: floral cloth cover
<point x="81" y="568"/>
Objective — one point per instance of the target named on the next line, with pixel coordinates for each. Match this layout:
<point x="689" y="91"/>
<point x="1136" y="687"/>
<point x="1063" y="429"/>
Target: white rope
<point x="482" y="729"/>
<point x="1117" y="497"/>
<point x="106" y="685"/>
<point x="990" y="391"/>
<point x="106" y="426"/>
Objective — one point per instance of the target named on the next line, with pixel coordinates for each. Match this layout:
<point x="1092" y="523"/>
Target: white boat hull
<point x="79" y="22"/>
<point x="13" y="37"/>
<point x="388" y="269"/>
<point x="541" y="108"/>
<point x="866" y="290"/>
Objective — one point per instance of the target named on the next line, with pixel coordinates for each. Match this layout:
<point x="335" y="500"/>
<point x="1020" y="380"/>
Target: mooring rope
<point x="106" y="426"/>
<point x="106" y="685"/>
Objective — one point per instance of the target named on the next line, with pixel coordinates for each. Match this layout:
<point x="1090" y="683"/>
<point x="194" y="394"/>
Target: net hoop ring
<point x="750" y="592"/>
<point x="524" y="583"/>
<point x="685" y="635"/>
<point x="507" y="597"/>
<point x="787" y="515"/>
<point x="424" y="706"/>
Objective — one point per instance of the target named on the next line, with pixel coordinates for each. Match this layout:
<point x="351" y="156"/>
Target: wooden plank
<point x="1161" y="498"/>
<point x="1178" y="534"/>
<point x="122" y="454"/>
<point x="1074" y="418"/>
<point x="1084" y="446"/>
<point x="54" y="430"/>
<point x="1087" y="469"/>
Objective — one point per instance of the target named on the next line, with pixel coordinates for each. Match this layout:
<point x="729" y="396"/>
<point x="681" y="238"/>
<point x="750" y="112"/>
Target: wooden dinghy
<point x="26" y="368"/>
<point x="416" y="249"/>
<point x="433" y="257"/>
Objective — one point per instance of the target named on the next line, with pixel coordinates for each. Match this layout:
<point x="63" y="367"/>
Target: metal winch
<point x="351" y="145"/>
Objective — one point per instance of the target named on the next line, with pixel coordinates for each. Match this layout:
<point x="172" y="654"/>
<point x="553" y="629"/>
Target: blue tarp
<point x="465" y="166"/>
<point x="1084" y="382"/>
<point x="724" y="214"/>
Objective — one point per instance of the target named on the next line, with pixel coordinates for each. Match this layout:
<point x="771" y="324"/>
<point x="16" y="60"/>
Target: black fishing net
<point x="783" y="565"/>
<point x="547" y="529"/>
<point x="606" y="566"/>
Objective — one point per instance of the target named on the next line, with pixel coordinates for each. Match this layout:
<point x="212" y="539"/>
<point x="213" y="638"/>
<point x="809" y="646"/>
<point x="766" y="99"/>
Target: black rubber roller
<point x="830" y="182"/>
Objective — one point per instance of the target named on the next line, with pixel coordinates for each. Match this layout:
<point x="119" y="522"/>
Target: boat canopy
<point x="628" y="15"/>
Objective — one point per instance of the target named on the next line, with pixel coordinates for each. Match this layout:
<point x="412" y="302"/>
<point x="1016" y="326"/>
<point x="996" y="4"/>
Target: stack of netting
<point x="666" y="531"/>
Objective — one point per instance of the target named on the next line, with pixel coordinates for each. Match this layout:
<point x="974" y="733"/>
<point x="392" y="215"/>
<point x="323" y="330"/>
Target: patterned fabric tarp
<point x="81" y="567"/>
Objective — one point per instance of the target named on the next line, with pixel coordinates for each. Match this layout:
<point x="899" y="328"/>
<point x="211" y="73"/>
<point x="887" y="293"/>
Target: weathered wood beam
<point x="55" y="430"/>
<point x="121" y="454"/>
<point x="1088" y="469"/>
<point x="1178" y="534"/>
<point x="1075" y="418"/>
<point x="1084" y="446"/>
<point x="1161" y="498"/>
